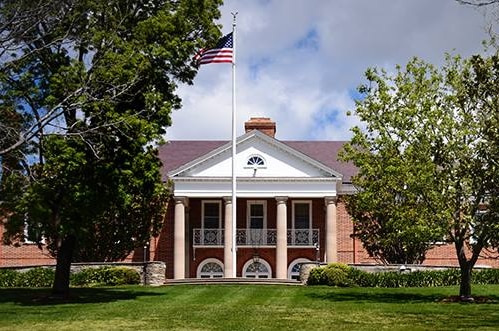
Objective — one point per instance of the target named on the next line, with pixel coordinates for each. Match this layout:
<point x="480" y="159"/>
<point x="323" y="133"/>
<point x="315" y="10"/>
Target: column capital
<point x="330" y="200"/>
<point x="227" y="199"/>
<point x="180" y="200"/>
<point x="281" y="199"/>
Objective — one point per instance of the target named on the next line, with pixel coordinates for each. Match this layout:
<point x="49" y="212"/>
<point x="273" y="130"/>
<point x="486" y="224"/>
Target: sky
<point x="300" y="62"/>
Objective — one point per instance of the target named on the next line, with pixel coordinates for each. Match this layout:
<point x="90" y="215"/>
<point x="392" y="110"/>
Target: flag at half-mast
<point x="221" y="53"/>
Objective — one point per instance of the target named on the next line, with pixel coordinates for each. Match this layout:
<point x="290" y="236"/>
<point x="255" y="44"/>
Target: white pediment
<point x="280" y="161"/>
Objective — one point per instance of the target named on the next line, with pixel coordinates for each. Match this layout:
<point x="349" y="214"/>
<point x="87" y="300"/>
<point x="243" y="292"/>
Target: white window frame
<point x="219" y="203"/>
<point x="250" y="262"/>
<point x="293" y="219"/>
<point x="248" y="212"/>
<point x="205" y="262"/>
<point x="255" y="166"/>
<point x="26" y="239"/>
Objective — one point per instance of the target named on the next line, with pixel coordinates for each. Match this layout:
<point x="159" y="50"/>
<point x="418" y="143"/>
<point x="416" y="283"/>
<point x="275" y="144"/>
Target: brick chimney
<point x="262" y="124"/>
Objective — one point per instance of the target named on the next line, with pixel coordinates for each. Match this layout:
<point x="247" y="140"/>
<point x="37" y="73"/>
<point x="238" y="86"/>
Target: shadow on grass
<point x="387" y="297"/>
<point x="41" y="297"/>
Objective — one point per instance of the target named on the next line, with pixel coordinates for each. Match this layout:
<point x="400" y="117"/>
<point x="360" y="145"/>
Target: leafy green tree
<point x="91" y="85"/>
<point x="428" y="158"/>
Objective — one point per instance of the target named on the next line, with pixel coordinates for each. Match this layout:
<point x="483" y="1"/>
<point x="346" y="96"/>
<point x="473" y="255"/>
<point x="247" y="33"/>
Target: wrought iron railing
<point x="256" y="237"/>
<point x="208" y="237"/>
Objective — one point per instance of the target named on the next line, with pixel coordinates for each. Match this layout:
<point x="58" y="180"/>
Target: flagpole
<point x="234" y="181"/>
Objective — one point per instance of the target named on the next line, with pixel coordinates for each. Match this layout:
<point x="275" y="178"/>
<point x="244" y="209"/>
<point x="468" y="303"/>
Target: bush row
<point x="337" y="274"/>
<point x="43" y="277"/>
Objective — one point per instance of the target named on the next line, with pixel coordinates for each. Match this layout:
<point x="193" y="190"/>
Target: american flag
<point x="221" y="53"/>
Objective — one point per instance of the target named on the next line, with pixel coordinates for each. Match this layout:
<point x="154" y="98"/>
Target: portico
<point x="286" y="211"/>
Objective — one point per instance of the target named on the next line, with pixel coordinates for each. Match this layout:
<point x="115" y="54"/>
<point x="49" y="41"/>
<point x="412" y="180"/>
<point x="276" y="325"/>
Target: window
<point x="32" y="234"/>
<point x="210" y="268"/>
<point x="302" y="214"/>
<point x="211" y="214"/>
<point x="257" y="215"/>
<point x="260" y="269"/>
<point x="256" y="162"/>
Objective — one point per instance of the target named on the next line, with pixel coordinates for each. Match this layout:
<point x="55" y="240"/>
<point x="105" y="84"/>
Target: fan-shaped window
<point x="210" y="268"/>
<point x="255" y="161"/>
<point x="260" y="269"/>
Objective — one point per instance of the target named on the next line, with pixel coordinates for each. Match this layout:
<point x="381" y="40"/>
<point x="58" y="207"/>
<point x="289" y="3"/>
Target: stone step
<point x="208" y="281"/>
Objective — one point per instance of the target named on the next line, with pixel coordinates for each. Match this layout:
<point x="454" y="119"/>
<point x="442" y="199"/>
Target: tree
<point x="87" y="89"/>
<point x="431" y="137"/>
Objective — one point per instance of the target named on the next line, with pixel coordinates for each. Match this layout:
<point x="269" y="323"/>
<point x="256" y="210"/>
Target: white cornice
<point x="257" y="179"/>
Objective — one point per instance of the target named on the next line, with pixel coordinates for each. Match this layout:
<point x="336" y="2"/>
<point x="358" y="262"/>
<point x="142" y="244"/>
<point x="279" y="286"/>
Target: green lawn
<point x="247" y="307"/>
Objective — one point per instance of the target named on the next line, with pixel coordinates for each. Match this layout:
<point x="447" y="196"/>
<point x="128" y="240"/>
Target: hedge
<point x="427" y="278"/>
<point x="43" y="277"/>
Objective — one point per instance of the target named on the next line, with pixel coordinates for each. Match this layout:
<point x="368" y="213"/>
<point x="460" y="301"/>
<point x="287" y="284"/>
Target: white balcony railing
<point x="256" y="237"/>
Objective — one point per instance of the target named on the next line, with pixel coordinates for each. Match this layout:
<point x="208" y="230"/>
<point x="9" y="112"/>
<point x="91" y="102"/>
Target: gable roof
<point x="178" y="153"/>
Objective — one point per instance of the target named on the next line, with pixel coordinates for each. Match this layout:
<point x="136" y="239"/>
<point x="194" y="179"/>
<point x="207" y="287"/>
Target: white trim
<point x="248" y="211"/>
<point x="294" y="262"/>
<point x="203" y="202"/>
<point x="206" y="261"/>
<point x="262" y="261"/>
<point x="256" y="187"/>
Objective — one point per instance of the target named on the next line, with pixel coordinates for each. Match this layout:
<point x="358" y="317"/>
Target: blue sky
<point x="299" y="62"/>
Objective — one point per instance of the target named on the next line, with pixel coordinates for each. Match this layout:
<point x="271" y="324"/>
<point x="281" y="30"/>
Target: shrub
<point x="120" y="276"/>
<point x="37" y="277"/>
<point x="361" y="278"/>
<point x="8" y="277"/>
<point x="341" y="275"/>
<point x="317" y="276"/>
<point x="110" y="276"/>
<point x="85" y="277"/>
<point x="336" y="274"/>
<point x="485" y="276"/>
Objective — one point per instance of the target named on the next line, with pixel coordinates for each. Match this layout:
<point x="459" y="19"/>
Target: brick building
<point x="290" y="209"/>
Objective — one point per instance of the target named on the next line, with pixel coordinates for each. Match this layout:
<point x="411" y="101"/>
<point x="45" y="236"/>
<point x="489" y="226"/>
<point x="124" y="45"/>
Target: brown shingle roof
<point x="179" y="152"/>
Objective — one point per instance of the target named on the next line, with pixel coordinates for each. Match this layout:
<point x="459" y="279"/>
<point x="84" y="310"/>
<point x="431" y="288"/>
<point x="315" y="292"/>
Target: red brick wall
<point x="25" y="254"/>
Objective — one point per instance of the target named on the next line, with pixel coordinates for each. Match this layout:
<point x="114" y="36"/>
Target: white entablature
<point x="265" y="167"/>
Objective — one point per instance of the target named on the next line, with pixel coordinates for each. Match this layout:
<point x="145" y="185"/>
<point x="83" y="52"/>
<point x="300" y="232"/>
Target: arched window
<point x="294" y="268"/>
<point x="210" y="268"/>
<point x="255" y="161"/>
<point x="254" y="269"/>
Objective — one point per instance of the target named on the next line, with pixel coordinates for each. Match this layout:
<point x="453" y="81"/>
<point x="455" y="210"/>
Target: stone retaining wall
<point x="154" y="271"/>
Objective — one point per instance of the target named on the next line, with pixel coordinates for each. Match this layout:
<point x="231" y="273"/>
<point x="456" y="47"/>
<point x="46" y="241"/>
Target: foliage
<point x="317" y="276"/>
<point x="36" y="277"/>
<point x="8" y="278"/>
<point x="109" y="276"/>
<point x="43" y="277"/>
<point x="426" y="278"/>
<point x="88" y="87"/>
<point x="428" y="160"/>
<point x="336" y="274"/>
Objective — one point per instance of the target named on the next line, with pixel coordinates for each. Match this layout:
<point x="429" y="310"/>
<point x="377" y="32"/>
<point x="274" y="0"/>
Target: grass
<point x="247" y="307"/>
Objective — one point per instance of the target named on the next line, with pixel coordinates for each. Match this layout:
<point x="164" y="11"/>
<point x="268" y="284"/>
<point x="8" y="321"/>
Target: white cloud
<point x="299" y="61"/>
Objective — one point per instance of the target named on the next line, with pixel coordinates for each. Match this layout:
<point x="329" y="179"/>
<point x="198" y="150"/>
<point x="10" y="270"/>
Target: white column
<point x="282" y="239"/>
<point x="331" y="243"/>
<point x="228" y="271"/>
<point x="179" y="239"/>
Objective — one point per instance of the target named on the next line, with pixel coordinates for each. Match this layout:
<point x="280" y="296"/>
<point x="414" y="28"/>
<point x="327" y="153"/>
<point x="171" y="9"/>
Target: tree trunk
<point x="63" y="267"/>
<point x="465" y="286"/>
